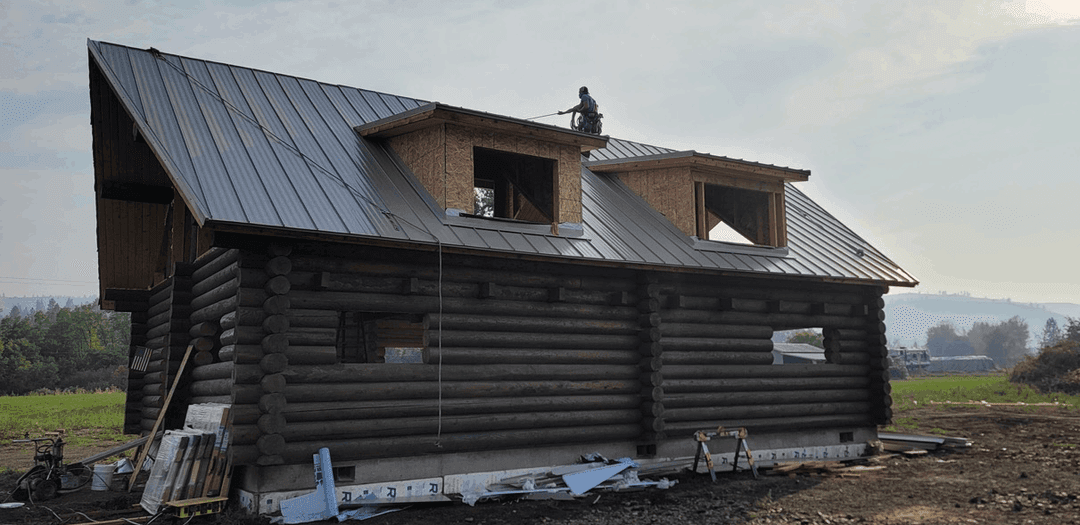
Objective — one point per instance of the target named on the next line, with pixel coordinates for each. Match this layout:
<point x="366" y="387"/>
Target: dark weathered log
<point x="276" y="304"/>
<point x="353" y="449"/>
<point x="220" y="370"/>
<point x="158" y="342"/>
<point x="718" y="358"/>
<point x="275" y="324"/>
<point x="278" y="266"/>
<point x="273" y="383"/>
<point x="157" y="310"/>
<point x="273" y="403"/>
<point x="760" y="384"/>
<point x="246" y="335"/>
<point x="204" y="329"/>
<point x="549" y="340"/>
<point x="244" y="454"/>
<point x="279" y="285"/>
<point x="202" y="358"/>
<point x="298" y="355"/>
<point x="670" y="330"/>
<point x="247" y="374"/>
<point x="765" y="371"/>
<point x="270" y="444"/>
<point x="214" y="311"/>
<point x="271" y="423"/>
<point x="215" y="265"/>
<point x="154" y="389"/>
<point x="274" y="343"/>
<point x="408" y="426"/>
<point x="152" y="401"/>
<point x="699" y="344"/>
<point x="310" y="393"/>
<point x="274" y="363"/>
<point x="225" y="400"/>
<point x="245" y="414"/>
<point x="675" y="401"/>
<point x="297" y="412"/>
<point x="497" y="323"/>
<point x="391" y="372"/>
<point x="214" y="295"/>
<point x="801" y="293"/>
<point x="349" y="301"/>
<point x="211" y="387"/>
<point x="845" y="358"/>
<point x="221" y="277"/>
<point x="246" y="394"/>
<point x="203" y="344"/>
<point x="249" y="316"/>
<point x="254" y="297"/>
<point x="770" y="319"/>
<point x="229" y="321"/>
<point x="460" y="356"/>
<point x="786" y="424"/>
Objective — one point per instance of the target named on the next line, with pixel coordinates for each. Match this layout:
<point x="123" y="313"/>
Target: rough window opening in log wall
<point x="739" y="215"/>
<point x="803" y="346"/>
<point x="376" y="337"/>
<point x="514" y="186"/>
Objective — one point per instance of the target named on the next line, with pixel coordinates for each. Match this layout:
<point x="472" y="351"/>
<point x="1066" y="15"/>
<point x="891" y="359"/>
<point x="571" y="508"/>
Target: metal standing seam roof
<point x="252" y="148"/>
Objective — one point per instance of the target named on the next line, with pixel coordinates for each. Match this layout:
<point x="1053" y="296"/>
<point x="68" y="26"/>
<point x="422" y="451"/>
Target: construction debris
<point x="322" y="504"/>
<point x="907" y="443"/>
<point x="821" y="469"/>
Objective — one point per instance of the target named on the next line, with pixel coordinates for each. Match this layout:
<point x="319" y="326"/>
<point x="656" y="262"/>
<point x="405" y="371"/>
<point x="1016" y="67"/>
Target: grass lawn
<point x="86" y="418"/>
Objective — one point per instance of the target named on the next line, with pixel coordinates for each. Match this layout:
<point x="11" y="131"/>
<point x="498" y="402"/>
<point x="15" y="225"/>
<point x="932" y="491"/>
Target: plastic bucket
<point x="103" y="476"/>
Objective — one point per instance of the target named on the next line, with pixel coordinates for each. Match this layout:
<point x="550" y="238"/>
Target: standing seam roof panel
<point x="251" y="192"/>
<point x="360" y="104"/>
<point x="264" y="161"/>
<point x="118" y="62"/>
<point x="297" y="171"/>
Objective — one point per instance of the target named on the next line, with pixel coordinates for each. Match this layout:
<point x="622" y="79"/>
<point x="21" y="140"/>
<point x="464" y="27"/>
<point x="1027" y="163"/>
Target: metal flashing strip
<point x="727" y="247"/>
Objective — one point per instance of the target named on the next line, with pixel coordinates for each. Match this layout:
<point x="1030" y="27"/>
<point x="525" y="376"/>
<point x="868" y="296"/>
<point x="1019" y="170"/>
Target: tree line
<point x="1005" y="342"/>
<point x="63" y="348"/>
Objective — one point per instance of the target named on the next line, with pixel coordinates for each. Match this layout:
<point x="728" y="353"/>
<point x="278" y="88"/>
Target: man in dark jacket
<point x="589" y="119"/>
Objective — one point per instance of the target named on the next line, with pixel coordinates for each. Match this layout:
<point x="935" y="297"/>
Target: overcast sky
<point x="944" y="133"/>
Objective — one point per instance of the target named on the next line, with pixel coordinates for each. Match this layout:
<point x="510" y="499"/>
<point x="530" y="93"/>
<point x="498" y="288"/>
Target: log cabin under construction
<point x="322" y="250"/>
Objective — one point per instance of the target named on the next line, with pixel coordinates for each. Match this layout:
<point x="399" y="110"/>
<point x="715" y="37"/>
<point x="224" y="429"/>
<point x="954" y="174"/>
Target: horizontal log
<point x="219" y="370"/>
<point x="161" y="293"/>
<point x="758" y="384"/>
<point x="217" y="294"/>
<point x="158" y="342"/>
<point x="549" y="340"/>
<point x="415" y="445"/>
<point x="248" y="335"/>
<point x="301" y="412"/>
<point x="694" y="401"/>
<point x="202" y="358"/>
<point x="718" y="358"/>
<point x="211" y="387"/>
<point x="354" y="301"/>
<point x="245" y="414"/>
<point x="274" y="363"/>
<point x="229" y="320"/>
<point x="785" y="424"/>
<point x="214" y="311"/>
<point x="496" y="323"/>
<point x="392" y="372"/>
<point x="311" y="393"/>
<point x="410" y="426"/>
<point x="152" y="401"/>
<point x="251" y="316"/>
<point x="245" y="394"/>
<point x="298" y="355"/>
<point x="273" y="383"/>
<point x="215" y="265"/>
<point x="274" y="403"/>
<point x="225" y="400"/>
<point x="159" y="311"/>
<point x="219" y="278"/>
<point x="469" y="356"/>
<point x="204" y="329"/>
<point x="701" y="344"/>
<point x="270" y="444"/>
<point x="715" y="330"/>
<point x="247" y="374"/>
<point x="272" y="424"/>
<point x="765" y="371"/>
<point x="797" y="293"/>
<point x="776" y="320"/>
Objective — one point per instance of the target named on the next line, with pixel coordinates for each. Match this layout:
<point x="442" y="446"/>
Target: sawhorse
<point x="740" y="446"/>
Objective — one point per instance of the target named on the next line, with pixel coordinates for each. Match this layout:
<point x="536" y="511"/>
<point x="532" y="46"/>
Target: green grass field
<point x="994" y="388"/>
<point x="86" y="418"/>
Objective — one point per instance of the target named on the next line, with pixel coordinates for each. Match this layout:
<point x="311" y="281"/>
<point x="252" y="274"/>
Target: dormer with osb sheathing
<point x="531" y="171"/>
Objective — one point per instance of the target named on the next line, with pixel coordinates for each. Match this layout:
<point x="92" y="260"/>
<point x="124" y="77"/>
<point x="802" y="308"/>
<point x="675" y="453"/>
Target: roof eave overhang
<point x="703" y="162"/>
<point x="434" y="114"/>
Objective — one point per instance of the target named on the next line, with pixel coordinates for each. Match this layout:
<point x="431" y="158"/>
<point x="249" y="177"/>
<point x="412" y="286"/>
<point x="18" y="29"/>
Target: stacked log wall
<point x="718" y="369"/>
<point x="527" y="359"/>
<point x="167" y="339"/>
<point x="133" y="408"/>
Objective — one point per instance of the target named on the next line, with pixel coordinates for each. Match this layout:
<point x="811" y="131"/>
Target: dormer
<point x="706" y="195"/>
<point x="530" y="172"/>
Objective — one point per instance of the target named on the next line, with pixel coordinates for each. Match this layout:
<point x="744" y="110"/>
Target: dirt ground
<point x="1024" y="467"/>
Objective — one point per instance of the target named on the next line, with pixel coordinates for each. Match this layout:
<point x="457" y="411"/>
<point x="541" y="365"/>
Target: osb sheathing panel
<point x="669" y="191"/>
<point x="422" y="151"/>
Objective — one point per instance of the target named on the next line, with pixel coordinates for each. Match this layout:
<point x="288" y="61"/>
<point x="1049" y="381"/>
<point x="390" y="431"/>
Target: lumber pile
<point x="835" y="469"/>
<point x="191" y="463"/>
<point x="912" y="444"/>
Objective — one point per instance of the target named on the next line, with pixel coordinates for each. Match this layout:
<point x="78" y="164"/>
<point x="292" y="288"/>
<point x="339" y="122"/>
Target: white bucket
<point x="103" y="476"/>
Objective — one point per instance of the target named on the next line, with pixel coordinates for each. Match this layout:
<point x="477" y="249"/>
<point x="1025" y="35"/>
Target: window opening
<point x="377" y="337"/>
<point x="800" y="346"/>
<point x="737" y="215"/>
<point x="514" y="186"/>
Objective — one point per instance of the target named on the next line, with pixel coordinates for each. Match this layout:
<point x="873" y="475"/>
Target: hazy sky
<point x="945" y="133"/>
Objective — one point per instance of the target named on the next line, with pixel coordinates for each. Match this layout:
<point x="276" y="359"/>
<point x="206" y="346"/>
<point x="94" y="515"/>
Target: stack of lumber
<point x="820" y="469"/>
<point x="191" y="463"/>
<point x="919" y="443"/>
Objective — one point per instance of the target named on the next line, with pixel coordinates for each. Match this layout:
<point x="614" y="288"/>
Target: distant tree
<point x="15" y="312"/>
<point x="52" y="309"/>
<point x="39" y="306"/>
<point x="807" y="337"/>
<point x="1072" y="330"/>
<point x="70" y="303"/>
<point x="979" y="337"/>
<point x="1051" y="333"/>
<point x="484" y="204"/>
<point x="1008" y="342"/>
<point x="940" y="337"/>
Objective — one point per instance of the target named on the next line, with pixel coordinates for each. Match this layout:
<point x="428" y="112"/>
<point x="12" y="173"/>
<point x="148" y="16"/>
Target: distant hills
<point x="909" y="315"/>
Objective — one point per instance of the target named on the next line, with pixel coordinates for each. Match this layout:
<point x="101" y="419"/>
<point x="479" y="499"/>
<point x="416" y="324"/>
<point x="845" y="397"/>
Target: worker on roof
<point x="588" y="120"/>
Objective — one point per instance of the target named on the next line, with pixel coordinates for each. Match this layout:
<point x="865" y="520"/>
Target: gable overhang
<point x="434" y="114"/>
